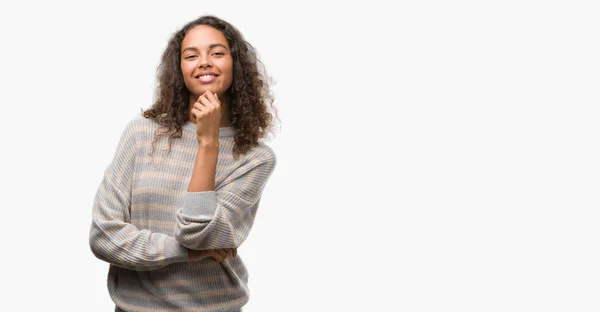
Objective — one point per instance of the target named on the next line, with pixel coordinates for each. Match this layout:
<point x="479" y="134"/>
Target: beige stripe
<point x="225" y="145"/>
<point x="183" y="282"/>
<point x="157" y="191"/>
<point x="184" y="296"/>
<point x="237" y="302"/>
<point x="154" y="208"/>
<point x="168" y="176"/>
<point x="161" y="161"/>
<point x="160" y="226"/>
<point x="110" y="199"/>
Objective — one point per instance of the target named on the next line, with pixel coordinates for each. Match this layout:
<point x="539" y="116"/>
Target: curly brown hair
<point x="249" y="96"/>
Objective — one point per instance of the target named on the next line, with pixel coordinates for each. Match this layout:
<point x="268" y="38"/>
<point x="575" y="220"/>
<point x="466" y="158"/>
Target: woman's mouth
<point x="207" y="78"/>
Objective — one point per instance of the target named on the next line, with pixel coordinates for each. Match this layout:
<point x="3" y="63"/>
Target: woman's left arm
<point x="223" y="218"/>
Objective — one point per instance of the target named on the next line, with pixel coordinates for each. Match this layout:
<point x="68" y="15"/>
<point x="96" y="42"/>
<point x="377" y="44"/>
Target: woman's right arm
<point x="112" y="237"/>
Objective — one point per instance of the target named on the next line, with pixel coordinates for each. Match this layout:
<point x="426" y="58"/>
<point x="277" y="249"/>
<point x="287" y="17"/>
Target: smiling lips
<point x="207" y="78"/>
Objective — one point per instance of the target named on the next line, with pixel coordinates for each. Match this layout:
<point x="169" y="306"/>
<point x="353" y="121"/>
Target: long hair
<point x="249" y="96"/>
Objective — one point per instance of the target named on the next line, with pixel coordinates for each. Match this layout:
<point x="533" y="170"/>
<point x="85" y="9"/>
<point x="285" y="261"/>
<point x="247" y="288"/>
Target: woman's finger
<point x="206" y="102"/>
<point x="212" y="98"/>
<point x="200" y="103"/>
<point x="216" y="255"/>
<point x="196" y="113"/>
<point x="222" y="252"/>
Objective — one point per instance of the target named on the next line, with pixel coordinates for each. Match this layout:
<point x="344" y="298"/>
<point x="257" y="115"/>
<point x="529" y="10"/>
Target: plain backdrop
<point x="432" y="155"/>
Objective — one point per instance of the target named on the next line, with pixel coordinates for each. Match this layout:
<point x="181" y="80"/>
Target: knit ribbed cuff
<point x="200" y="203"/>
<point x="175" y="252"/>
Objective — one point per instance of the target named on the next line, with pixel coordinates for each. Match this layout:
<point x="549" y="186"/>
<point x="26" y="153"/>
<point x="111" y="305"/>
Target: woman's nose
<point x="204" y="63"/>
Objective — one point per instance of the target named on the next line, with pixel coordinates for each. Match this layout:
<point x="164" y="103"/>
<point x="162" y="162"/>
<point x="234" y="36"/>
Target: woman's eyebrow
<point x="217" y="45"/>
<point x="189" y="48"/>
<point x="214" y="45"/>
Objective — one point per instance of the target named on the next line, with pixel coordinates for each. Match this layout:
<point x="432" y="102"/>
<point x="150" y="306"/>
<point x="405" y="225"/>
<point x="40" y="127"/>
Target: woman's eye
<point x="189" y="57"/>
<point x="219" y="53"/>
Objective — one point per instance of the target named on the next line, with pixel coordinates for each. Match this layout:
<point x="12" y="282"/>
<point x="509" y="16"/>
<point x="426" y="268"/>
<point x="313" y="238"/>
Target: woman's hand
<point x="207" y="113"/>
<point x="217" y="254"/>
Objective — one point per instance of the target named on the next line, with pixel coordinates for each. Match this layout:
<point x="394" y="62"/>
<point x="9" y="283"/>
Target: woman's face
<point x="206" y="61"/>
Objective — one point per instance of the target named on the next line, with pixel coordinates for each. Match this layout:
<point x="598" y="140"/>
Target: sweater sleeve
<point x="223" y="218"/>
<point x="112" y="237"/>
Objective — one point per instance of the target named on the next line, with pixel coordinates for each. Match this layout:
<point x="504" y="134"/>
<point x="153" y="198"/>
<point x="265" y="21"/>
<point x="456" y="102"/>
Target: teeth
<point x="206" y="76"/>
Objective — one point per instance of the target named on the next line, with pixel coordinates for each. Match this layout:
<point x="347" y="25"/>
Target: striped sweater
<point x="144" y="221"/>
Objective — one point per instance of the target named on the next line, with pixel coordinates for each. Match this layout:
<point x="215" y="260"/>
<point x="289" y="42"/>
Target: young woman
<point x="182" y="191"/>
